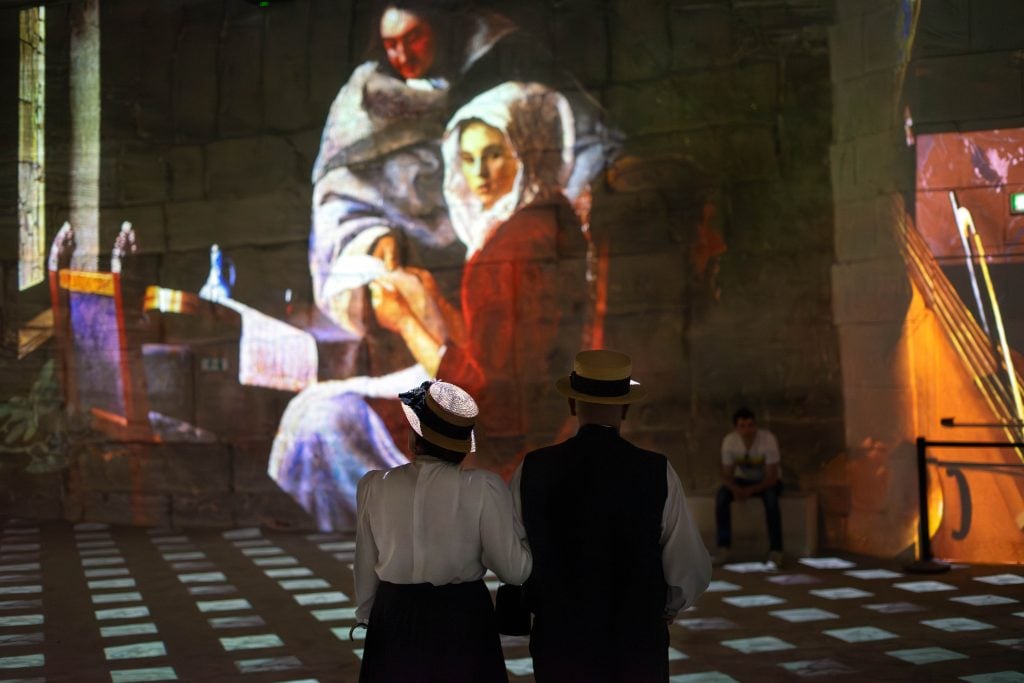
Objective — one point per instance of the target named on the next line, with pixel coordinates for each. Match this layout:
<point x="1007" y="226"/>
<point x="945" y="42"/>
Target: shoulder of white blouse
<point x="484" y="479"/>
<point x="372" y="479"/>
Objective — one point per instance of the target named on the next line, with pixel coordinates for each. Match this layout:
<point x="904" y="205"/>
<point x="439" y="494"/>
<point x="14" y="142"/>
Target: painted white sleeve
<point x="365" y="566"/>
<point x="684" y="558"/>
<point x="505" y="550"/>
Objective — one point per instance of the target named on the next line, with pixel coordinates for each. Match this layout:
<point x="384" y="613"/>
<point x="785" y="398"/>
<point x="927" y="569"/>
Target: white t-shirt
<point x="431" y="522"/>
<point x="749" y="463"/>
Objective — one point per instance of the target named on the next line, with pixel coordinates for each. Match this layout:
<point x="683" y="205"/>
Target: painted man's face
<point x="408" y="41"/>
<point x="487" y="163"/>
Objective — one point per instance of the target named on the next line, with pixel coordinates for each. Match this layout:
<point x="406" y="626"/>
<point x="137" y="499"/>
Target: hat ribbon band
<point x="599" y="387"/>
<point x="438" y="424"/>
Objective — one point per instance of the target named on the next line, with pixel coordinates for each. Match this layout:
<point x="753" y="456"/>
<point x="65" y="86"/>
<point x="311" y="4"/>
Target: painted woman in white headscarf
<point x="508" y="155"/>
<point x="333" y="432"/>
<point x="377" y="186"/>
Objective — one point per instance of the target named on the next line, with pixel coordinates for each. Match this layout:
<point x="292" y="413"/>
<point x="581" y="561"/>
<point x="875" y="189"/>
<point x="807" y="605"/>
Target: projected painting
<point x="410" y="165"/>
<point x="965" y="213"/>
<point x="450" y="236"/>
<point x="506" y="158"/>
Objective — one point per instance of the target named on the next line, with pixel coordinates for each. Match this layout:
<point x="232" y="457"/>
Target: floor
<point x="89" y="602"/>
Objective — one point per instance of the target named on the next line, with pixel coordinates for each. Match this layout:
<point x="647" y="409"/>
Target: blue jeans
<point x="723" y="514"/>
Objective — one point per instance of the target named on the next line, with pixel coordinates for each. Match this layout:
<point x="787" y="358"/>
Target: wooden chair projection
<point x="153" y="364"/>
<point x="99" y="340"/>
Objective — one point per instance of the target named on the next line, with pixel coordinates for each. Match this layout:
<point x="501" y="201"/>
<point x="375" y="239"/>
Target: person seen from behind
<point x="427" y="531"/>
<point x="616" y="552"/>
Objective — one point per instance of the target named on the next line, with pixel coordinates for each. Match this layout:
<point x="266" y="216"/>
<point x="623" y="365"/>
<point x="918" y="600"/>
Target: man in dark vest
<point x="616" y="554"/>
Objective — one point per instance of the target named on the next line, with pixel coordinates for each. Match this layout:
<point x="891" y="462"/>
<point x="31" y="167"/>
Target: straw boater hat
<point x="442" y="414"/>
<point x="602" y="377"/>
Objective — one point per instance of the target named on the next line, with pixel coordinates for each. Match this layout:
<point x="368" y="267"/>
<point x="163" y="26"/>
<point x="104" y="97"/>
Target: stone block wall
<point x="212" y="114"/>
<point x="960" y="69"/>
<point x="753" y="118"/>
<point x="871" y="168"/>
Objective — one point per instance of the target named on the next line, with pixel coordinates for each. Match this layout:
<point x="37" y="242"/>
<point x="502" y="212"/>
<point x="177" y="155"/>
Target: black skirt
<point x="420" y="633"/>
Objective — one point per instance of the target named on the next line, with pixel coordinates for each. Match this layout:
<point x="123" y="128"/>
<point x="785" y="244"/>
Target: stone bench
<point x="749" y="531"/>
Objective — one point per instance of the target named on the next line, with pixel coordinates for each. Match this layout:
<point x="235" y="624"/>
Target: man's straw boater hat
<point x="602" y="377"/>
<point x="442" y="414"/>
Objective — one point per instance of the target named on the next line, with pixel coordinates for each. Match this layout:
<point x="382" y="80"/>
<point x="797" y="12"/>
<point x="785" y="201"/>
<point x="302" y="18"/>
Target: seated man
<point x="750" y="467"/>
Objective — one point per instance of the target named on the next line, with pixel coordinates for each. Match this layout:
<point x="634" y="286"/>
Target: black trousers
<point x="573" y="650"/>
<point x="420" y="633"/>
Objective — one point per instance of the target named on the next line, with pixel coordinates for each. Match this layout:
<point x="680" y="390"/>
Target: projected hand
<point x="426" y="279"/>
<point x="389" y="306"/>
<point x="453" y="327"/>
<point x="402" y="305"/>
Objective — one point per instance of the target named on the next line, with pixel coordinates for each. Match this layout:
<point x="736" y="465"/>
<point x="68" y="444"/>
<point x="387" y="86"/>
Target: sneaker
<point x="775" y="557"/>
<point x="720" y="557"/>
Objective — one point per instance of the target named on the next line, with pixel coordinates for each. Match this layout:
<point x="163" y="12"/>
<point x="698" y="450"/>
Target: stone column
<point x="872" y="168"/>
<point x="85" y="132"/>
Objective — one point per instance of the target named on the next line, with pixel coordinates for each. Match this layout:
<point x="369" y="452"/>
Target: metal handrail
<point x="926" y="563"/>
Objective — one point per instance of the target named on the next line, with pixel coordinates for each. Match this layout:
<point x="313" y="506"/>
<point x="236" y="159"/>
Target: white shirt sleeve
<point x="684" y="558"/>
<point x="728" y="456"/>
<point x="517" y="496"/>
<point x="505" y="550"/>
<point x="771" y="449"/>
<point x="365" y="566"/>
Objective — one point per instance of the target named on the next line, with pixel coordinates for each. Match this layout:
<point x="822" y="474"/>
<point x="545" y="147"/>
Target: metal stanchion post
<point x="925" y="563"/>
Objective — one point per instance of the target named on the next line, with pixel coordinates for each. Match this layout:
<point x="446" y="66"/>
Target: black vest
<point x="592" y="507"/>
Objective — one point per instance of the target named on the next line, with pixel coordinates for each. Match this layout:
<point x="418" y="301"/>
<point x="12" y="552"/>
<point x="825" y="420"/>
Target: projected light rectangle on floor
<point x="154" y="648"/>
<point x="223" y="605"/>
<point x="253" y="642"/>
<point x="143" y="628"/>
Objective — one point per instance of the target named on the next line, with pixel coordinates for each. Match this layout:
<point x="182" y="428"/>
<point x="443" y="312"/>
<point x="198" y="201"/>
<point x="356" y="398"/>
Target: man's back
<point x="593" y="508"/>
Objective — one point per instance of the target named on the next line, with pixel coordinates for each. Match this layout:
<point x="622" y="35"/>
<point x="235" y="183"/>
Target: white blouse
<point x="431" y="522"/>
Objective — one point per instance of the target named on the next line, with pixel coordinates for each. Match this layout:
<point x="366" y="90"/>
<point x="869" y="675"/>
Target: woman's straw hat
<point x="443" y="414"/>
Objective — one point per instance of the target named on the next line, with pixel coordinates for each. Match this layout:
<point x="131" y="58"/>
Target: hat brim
<point x="637" y="392"/>
<point x="459" y="446"/>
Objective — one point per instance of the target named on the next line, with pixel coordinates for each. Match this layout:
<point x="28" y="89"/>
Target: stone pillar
<point x="871" y="169"/>
<point x="85" y="132"/>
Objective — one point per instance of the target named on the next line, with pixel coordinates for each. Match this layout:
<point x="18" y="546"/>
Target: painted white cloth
<point x="749" y="463"/>
<point x="431" y="522"/>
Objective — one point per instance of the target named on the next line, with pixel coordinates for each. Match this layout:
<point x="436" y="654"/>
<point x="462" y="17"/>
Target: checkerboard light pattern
<point x="250" y="605"/>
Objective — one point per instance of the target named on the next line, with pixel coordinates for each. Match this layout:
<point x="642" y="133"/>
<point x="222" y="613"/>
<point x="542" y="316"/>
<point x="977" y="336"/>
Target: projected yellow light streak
<point x="965" y="224"/>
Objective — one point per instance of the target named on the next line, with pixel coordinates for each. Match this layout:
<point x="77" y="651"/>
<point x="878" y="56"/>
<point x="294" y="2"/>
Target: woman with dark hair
<point x="427" y="532"/>
<point x="424" y="39"/>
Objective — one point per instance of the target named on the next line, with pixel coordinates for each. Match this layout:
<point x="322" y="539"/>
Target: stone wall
<point x="964" y="73"/>
<point x="871" y="170"/>
<point x="743" y="94"/>
<point x="212" y="114"/>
